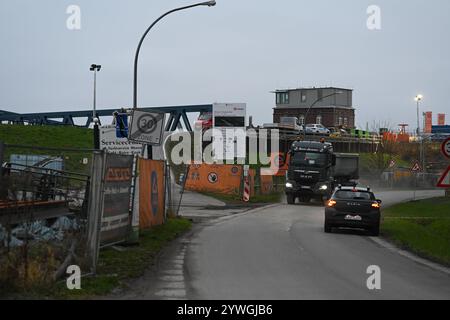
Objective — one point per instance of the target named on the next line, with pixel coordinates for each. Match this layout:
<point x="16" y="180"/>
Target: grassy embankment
<point x="52" y="137"/>
<point x="422" y="227"/>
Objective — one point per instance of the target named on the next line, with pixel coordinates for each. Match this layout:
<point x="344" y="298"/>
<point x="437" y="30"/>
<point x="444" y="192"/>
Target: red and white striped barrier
<point x="246" y="197"/>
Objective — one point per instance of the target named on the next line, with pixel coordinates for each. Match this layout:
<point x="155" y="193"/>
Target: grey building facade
<point x="332" y="111"/>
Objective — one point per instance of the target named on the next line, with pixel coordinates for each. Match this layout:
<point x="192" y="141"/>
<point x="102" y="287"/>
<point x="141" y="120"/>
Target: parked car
<point x="352" y="207"/>
<point x="317" y="129"/>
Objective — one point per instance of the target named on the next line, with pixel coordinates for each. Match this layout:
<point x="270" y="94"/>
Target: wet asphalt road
<point x="282" y="253"/>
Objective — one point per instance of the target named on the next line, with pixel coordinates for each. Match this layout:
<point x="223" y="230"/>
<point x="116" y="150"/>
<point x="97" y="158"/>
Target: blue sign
<point x="121" y="125"/>
<point x="154" y="193"/>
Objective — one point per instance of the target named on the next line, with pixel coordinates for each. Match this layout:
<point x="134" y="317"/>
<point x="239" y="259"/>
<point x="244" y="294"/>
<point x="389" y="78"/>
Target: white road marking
<point x="172" y="293"/>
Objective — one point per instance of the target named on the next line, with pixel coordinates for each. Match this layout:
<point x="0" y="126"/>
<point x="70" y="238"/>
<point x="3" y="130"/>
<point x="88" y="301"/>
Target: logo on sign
<point x="279" y="161"/>
<point x="213" y="177"/>
<point x="234" y="170"/>
<point x="118" y="174"/>
<point x="154" y="193"/>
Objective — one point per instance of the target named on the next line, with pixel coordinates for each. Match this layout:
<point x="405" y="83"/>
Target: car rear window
<point x="354" y="195"/>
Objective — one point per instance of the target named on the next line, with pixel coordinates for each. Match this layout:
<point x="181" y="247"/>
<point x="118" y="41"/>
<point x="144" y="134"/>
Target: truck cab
<point x="315" y="170"/>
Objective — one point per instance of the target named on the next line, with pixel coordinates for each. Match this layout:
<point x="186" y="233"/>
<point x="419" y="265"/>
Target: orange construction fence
<point x="151" y="193"/>
<point x="221" y="179"/>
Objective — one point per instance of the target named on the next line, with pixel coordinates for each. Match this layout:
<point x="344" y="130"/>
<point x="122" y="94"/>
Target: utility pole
<point x="95" y="68"/>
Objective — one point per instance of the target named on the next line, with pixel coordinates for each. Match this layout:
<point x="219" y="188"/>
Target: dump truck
<point x="315" y="170"/>
<point x="286" y="125"/>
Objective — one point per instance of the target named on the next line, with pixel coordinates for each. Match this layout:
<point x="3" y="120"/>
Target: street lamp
<point x="95" y="68"/>
<point x="418" y="99"/>
<point x="312" y="106"/>
<point x="136" y="59"/>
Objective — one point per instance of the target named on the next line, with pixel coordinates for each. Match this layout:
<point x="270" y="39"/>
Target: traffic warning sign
<point x="444" y="182"/>
<point x="416" y="167"/>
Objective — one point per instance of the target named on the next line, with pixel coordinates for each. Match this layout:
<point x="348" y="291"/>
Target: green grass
<point x="422" y="227"/>
<point x="370" y="161"/>
<point x="53" y="137"/>
<point x="116" y="267"/>
<point x="47" y="136"/>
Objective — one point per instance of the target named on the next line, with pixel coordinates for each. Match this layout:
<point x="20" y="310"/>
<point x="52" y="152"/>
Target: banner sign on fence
<point x="222" y="179"/>
<point x="151" y="193"/>
<point x="266" y="184"/>
<point x="112" y="144"/>
<point x="116" y="220"/>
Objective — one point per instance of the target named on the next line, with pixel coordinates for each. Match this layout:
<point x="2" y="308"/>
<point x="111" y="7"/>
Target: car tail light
<point x="331" y="203"/>
<point x="376" y="205"/>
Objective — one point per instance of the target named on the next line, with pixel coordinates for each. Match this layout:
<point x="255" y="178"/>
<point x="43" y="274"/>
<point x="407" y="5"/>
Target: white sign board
<point x="147" y="127"/>
<point x="112" y="144"/>
<point x="229" y="122"/>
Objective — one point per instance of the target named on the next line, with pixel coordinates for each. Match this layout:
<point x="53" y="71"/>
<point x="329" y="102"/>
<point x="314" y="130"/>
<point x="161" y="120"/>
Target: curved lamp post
<point x="136" y="59"/>
<point x="312" y="106"/>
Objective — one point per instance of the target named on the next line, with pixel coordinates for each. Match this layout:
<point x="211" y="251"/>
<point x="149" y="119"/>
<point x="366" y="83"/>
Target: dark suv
<point x="351" y="207"/>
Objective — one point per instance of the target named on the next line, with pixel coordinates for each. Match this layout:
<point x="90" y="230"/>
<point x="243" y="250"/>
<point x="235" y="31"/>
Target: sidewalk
<point x="199" y="207"/>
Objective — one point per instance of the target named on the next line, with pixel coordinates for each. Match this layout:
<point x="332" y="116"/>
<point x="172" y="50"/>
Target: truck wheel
<point x="375" y="231"/>
<point x="327" y="228"/>
<point x="290" y="199"/>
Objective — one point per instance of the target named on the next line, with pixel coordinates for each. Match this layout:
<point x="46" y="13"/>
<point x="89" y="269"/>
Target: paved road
<point x="283" y="253"/>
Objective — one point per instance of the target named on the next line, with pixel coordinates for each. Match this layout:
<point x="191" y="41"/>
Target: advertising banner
<point x="112" y="144"/>
<point x="266" y="184"/>
<point x="116" y="220"/>
<point x="151" y="193"/>
<point x="229" y="122"/>
<point x="222" y="179"/>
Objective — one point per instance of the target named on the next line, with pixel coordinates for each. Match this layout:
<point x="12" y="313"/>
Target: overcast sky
<point x="238" y="51"/>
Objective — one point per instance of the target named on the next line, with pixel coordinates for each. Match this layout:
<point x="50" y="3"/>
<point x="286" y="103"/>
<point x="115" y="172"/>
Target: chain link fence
<point x="43" y="213"/>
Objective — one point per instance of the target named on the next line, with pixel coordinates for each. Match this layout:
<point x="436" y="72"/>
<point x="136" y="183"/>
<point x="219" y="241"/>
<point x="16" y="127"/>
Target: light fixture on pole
<point x="136" y="59"/>
<point x="421" y="152"/>
<point x="418" y="99"/>
<point x="95" y="68"/>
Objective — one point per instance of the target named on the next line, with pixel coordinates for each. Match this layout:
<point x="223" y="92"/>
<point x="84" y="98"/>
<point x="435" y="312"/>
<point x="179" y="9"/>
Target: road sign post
<point x="444" y="181"/>
<point x="416" y="168"/>
<point x="147" y="127"/>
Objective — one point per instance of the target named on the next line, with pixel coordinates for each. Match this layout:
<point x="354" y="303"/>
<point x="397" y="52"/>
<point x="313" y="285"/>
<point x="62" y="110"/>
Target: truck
<point x="315" y="170"/>
<point x="287" y="125"/>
